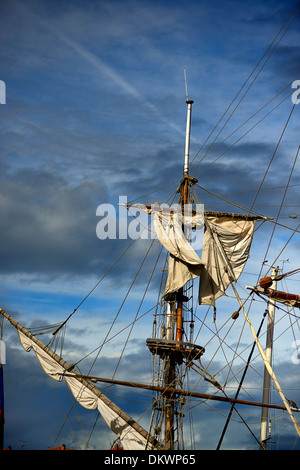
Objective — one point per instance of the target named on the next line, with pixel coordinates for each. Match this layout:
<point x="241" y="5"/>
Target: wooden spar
<point x="231" y="215"/>
<point x="83" y="381"/>
<point x="293" y="300"/>
<point x="181" y="392"/>
<point x="86" y="381"/>
<point x="284" y="297"/>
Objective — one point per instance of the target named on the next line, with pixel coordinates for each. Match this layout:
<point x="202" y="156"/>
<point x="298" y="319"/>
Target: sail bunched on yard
<point x="184" y="263"/>
<point x="131" y="434"/>
<point x="225" y="249"/>
<point x="89" y="397"/>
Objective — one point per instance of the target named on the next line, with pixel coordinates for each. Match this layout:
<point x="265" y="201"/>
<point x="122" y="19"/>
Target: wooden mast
<point x="172" y="359"/>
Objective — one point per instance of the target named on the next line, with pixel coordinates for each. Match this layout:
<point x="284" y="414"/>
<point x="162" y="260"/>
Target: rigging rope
<point x="140" y="305"/>
<point x="165" y="186"/>
<point x="267" y="364"/>
<point x="209" y="150"/>
<point x="288" y="241"/>
<point x="240" y="383"/>
<point x="239" y="206"/>
<point x="287" y="185"/>
<point x="122" y="304"/>
<point x="243" y="135"/>
<point x="267" y="59"/>
<point x="107" y="272"/>
<point x="248" y="131"/>
<point x="92" y="290"/>
<point x="261" y="184"/>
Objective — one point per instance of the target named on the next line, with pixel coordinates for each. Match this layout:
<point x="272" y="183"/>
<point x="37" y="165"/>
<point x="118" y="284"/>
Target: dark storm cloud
<point x="46" y="223"/>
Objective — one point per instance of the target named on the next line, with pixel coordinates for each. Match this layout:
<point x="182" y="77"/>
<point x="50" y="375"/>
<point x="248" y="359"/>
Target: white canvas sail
<point x="49" y="365"/>
<point x="89" y="397"/>
<point x="131" y="440"/>
<point x="227" y="242"/>
<point x="184" y="263"/>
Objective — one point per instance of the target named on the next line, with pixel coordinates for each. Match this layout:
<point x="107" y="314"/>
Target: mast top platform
<point x="179" y="349"/>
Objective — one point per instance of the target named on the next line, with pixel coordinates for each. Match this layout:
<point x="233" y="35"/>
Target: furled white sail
<point x="129" y="437"/>
<point x="227" y="242"/>
<point x="184" y="263"/>
<point x="168" y="222"/>
<point x="131" y="440"/>
<point x="50" y="366"/>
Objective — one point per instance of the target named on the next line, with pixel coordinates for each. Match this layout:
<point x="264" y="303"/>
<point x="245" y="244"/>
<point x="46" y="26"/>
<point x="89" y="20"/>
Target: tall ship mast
<point x="187" y="276"/>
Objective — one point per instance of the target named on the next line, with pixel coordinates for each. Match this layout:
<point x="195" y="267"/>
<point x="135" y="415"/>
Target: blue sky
<point x="95" y="109"/>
